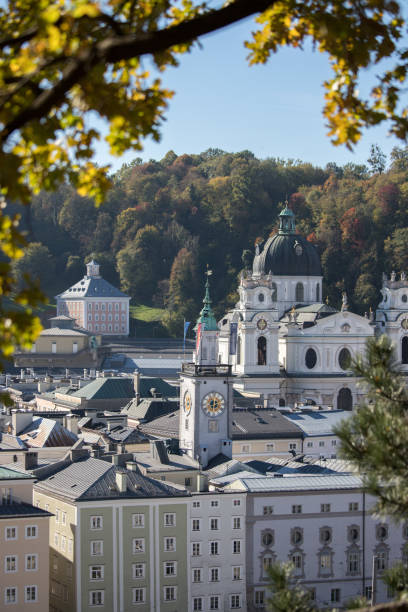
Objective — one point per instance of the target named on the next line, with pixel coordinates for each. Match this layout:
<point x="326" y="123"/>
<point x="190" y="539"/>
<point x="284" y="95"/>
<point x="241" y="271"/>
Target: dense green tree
<point x="36" y="263"/>
<point x="377" y="160"/>
<point x="396" y="247"/>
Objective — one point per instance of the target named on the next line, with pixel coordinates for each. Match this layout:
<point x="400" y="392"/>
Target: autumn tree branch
<point x="126" y="46"/>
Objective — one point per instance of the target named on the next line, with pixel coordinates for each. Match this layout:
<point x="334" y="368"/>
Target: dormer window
<point x="345" y="328"/>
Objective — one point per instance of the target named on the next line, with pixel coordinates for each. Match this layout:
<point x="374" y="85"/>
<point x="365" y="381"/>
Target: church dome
<point x="287" y="253"/>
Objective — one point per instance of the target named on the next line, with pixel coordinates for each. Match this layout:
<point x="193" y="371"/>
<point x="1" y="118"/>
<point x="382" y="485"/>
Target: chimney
<point x="30" y="460"/>
<point x="131" y="466"/>
<point x="159" y="451"/>
<point x="136" y="386"/>
<point x="20" y="420"/>
<point x="121" y="481"/>
<point x="71" y="423"/>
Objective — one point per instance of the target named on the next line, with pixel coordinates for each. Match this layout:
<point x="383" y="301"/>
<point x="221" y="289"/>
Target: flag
<point x="198" y="337"/>
<point x="233" y="338"/>
<point x="186" y="326"/>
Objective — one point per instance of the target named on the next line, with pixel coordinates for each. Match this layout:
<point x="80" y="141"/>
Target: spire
<point x="287" y="223"/>
<point x="206" y="318"/>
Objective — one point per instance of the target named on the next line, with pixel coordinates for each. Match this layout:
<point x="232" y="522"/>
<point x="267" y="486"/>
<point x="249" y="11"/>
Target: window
<point x="261" y="297"/>
<point x="235" y="602"/>
<point x="353" y="506"/>
<point x="196" y="549"/>
<point x="197" y="574"/>
<point x="353" y="533"/>
<point x="96" y="572"/>
<point x="169" y="544"/>
<point x="138" y="570"/>
<point x="297" y="509"/>
<point x="236" y="522"/>
<point x="297" y="560"/>
<point x="214" y="574"/>
<point x="267" y="562"/>
<point x="170" y="568"/>
<point x="214" y="503"/>
<point x="31" y="562"/>
<point x="353" y="562"/>
<point x="214" y="524"/>
<point x="137" y="520"/>
<point x="299" y="292"/>
<point x="317" y="292"/>
<point x="245" y="448"/>
<point x="344" y="359"/>
<point x="196" y="504"/>
<point x="324" y="507"/>
<point x="269" y="447"/>
<point x="381" y="560"/>
<point x="169" y="519"/>
<point x="259" y="598"/>
<point x="335" y="595"/>
<point x="11" y="533"/>
<point x="96" y="548"/>
<point x="213" y="426"/>
<point x="274" y="295"/>
<point x="382" y="532"/>
<point x="267" y="510"/>
<point x="236" y="573"/>
<point x="96" y="522"/>
<point x="10" y="595"/>
<point x="170" y="593"/>
<point x="31" y="532"/>
<point x="261" y="350"/>
<point x="236" y="547"/>
<point x="309" y="444"/>
<point x="63" y="543"/>
<point x="214" y="548"/>
<point x="196" y="525"/>
<point x="187" y="482"/>
<point x="310" y="358"/>
<point x="10" y="564"/>
<point x="325" y="535"/>
<point x="292" y="445"/>
<point x="368" y="592"/>
<point x="236" y="502"/>
<point x="325" y="561"/>
<point x="138" y="545"/>
<point x="96" y="598"/>
<point x="30" y="593"/>
<point x="267" y="538"/>
<point x="197" y="604"/>
<point x="6" y="492"/>
<point x="116" y="306"/>
<point x="70" y="545"/>
<point x="214" y="602"/>
<point x="334" y="442"/>
<point x="321" y="443"/>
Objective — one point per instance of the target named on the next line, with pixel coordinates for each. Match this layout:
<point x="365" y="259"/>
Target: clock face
<point x="404" y="323"/>
<point x="187" y="403"/>
<point x="262" y="324"/>
<point x="213" y="404"/>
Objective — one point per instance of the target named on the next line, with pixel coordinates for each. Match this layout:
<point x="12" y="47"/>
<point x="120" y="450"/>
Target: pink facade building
<point x="95" y="304"/>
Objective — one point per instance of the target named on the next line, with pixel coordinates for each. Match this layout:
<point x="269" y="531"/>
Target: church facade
<point x="285" y="344"/>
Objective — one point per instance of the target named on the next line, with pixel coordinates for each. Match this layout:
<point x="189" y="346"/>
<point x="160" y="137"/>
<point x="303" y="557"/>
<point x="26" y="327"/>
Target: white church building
<point x="285" y="343"/>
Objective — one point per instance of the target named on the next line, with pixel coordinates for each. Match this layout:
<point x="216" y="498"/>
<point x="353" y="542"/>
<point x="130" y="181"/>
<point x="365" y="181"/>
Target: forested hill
<point x="163" y="221"/>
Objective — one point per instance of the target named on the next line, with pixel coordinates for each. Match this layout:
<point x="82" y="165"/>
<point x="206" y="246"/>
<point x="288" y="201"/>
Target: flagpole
<point x="184" y="339"/>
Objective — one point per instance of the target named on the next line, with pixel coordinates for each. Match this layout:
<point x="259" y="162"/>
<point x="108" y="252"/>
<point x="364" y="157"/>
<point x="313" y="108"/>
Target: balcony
<point x="192" y="369"/>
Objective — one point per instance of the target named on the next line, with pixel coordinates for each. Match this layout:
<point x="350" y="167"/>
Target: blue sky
<point x="273" y="110"/>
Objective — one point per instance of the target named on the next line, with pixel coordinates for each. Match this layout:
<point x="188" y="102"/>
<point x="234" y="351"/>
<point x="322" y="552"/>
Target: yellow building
<point x="24" y="550"/>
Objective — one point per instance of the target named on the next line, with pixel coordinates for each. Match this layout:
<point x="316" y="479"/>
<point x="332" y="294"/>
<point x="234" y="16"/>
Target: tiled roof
<point x="107" y="388"/>
<point x="150" y="409"/>
<point x="301" y="483"/>
<point x="21" y="511"/>
<point x="60" y="331"/>
<point x="262" y="423"/>
<point x="92" y="478"/>
<point x="47" y="432"/>
<point x="96" y="287"/>
<point x="9" y="474"/>
<point x="317" y="422"/>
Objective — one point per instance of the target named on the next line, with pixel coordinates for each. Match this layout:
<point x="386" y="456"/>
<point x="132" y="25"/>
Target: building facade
<point x="284" y="343"/>
<point x="24" y="558"/>
<point x="95" y="304"/>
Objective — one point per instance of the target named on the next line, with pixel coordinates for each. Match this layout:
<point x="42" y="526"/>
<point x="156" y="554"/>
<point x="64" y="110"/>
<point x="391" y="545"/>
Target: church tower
<point x="206" y="394"/>
<point x="392" y="315"/>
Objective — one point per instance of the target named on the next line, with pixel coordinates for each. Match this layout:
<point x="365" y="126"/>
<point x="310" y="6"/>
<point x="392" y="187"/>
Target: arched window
<point x="281" y="402"/>
<point x="317" y="292"/>
<point x="261" y="297"/>
<point x="310" y="358"/>
<point x="344" y="359"/>
<point x="262" y="350"/>
<point x="274" y="292"/>
<point x="239" y="350"/>
<point x="404" y="349"/>
<point x="300" y="292"/>
<point x="344" y="399"/>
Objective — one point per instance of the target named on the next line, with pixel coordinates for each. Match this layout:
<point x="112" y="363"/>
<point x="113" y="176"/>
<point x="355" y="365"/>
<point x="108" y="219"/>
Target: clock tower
<point x="206" y="394"/>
